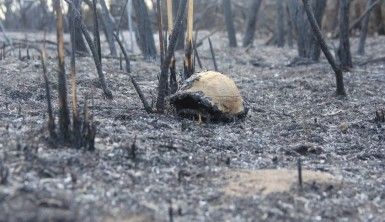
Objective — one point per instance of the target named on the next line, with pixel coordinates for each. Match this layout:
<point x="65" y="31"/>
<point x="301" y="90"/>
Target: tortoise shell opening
<point x="209" y="94"/>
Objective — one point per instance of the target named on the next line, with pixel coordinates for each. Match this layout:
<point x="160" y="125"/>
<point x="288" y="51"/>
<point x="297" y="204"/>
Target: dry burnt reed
<point x="162" y="88"/>
<point x="82" y="132"/>
<point x="94" y="50"/>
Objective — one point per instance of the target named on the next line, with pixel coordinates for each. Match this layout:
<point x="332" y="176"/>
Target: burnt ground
<point x="181" y="168"/>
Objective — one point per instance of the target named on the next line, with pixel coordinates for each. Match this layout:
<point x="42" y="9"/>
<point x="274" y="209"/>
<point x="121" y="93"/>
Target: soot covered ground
<point x="182" y="169"/>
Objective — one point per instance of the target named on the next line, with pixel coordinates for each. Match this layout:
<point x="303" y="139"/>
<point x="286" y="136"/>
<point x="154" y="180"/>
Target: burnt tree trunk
<point x="364" y="30"/>
<point x="280" y="27"/>
<point x="188" y="65"/>
<point x="301" y="27"/>
<point x="331" y="20"/>
<point x="319" y="9"/>
<point x="181" y="37"/>
<point x="96" y="30"/>
<point x="144" y="35"/>
<point x="229" y="23"/>
<point x="290" y="27"/>
<point x="306" y="42"/>
<point x="108" y="27"/>
<point x="344" y="47"/>
<point x="378" y="19"/>
<point x="81" y="46"/>
<point x="317" y="32"/>
<point x="251" y="22"/>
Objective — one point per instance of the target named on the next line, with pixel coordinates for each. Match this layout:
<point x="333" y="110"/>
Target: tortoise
<point x="211" y="95"/>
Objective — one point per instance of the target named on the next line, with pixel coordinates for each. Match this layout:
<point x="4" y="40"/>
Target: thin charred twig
<point x="64" y="120"/>
<point x="170" y="212"/>
<point x="200" y="42"/>
<point x="188" y="60"/>
<point x="4" y="173"/>
<point x="120" y="61"/>
<point x="51" y="119"/>
<point x="17" y="46"/>
<point x="173" y="81"/>
<point x="81" y="47"/>
<point x="121" y="18"/>
<point x="213" y="55"/>
<point x="162" y="87"/>
<point x="317" y="33"/>
<point x="125" y="54"/>
<point x="299" y="167"/>
<point x="165" y="41"/>
<point x="94" y="52"/>
<point x="96" y="30"/>
<point x="24" y="43"/>
<point x="3" y="51"/>
<point x="109" y="26"/>
<point x="380" y="116"/>
<point x="371" y="61"/>
<point x="89" y="129"/>
<point x="146" y="105"/>
<point x="133" y="149"/>
<point x="197" y="57"/>
<point x="160" y="29"/>
<point x="196" y="54"/>
<point x="28" y="56"/>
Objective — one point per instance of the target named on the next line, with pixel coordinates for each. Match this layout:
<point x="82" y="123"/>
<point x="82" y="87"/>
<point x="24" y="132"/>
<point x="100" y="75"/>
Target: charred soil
<point x="156" y="167"/>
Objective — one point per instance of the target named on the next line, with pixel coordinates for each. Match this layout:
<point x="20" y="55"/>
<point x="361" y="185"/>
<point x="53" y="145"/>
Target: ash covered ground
<point x="182" y="170"/>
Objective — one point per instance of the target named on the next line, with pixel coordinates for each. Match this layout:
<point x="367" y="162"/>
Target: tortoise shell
<point x="210" y="94"/>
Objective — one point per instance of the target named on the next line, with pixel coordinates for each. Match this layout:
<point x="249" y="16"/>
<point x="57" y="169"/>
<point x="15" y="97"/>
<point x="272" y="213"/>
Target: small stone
<point x="344" y="127"/>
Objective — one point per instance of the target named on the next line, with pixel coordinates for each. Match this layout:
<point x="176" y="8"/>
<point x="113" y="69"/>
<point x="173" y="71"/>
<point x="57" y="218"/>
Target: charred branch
<point x="51" y="119"/>
<point x="162" y="87"/>
<point x="144" y="35"/>
<point x="343" y="52"/>
<point x="364" y="29"/>
<point x="96" y="30"/>
<point x="317" y="32"/>
<point x="251" y="22"/>
<point x="229" y="23"/>
<point x="94" y="52"/>
<point x="64" y="120"/>
<point x="188" y="59"/>
<point x="138" y="90"/>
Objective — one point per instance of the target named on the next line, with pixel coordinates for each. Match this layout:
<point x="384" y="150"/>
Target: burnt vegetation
<point x="189" y="110"/>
